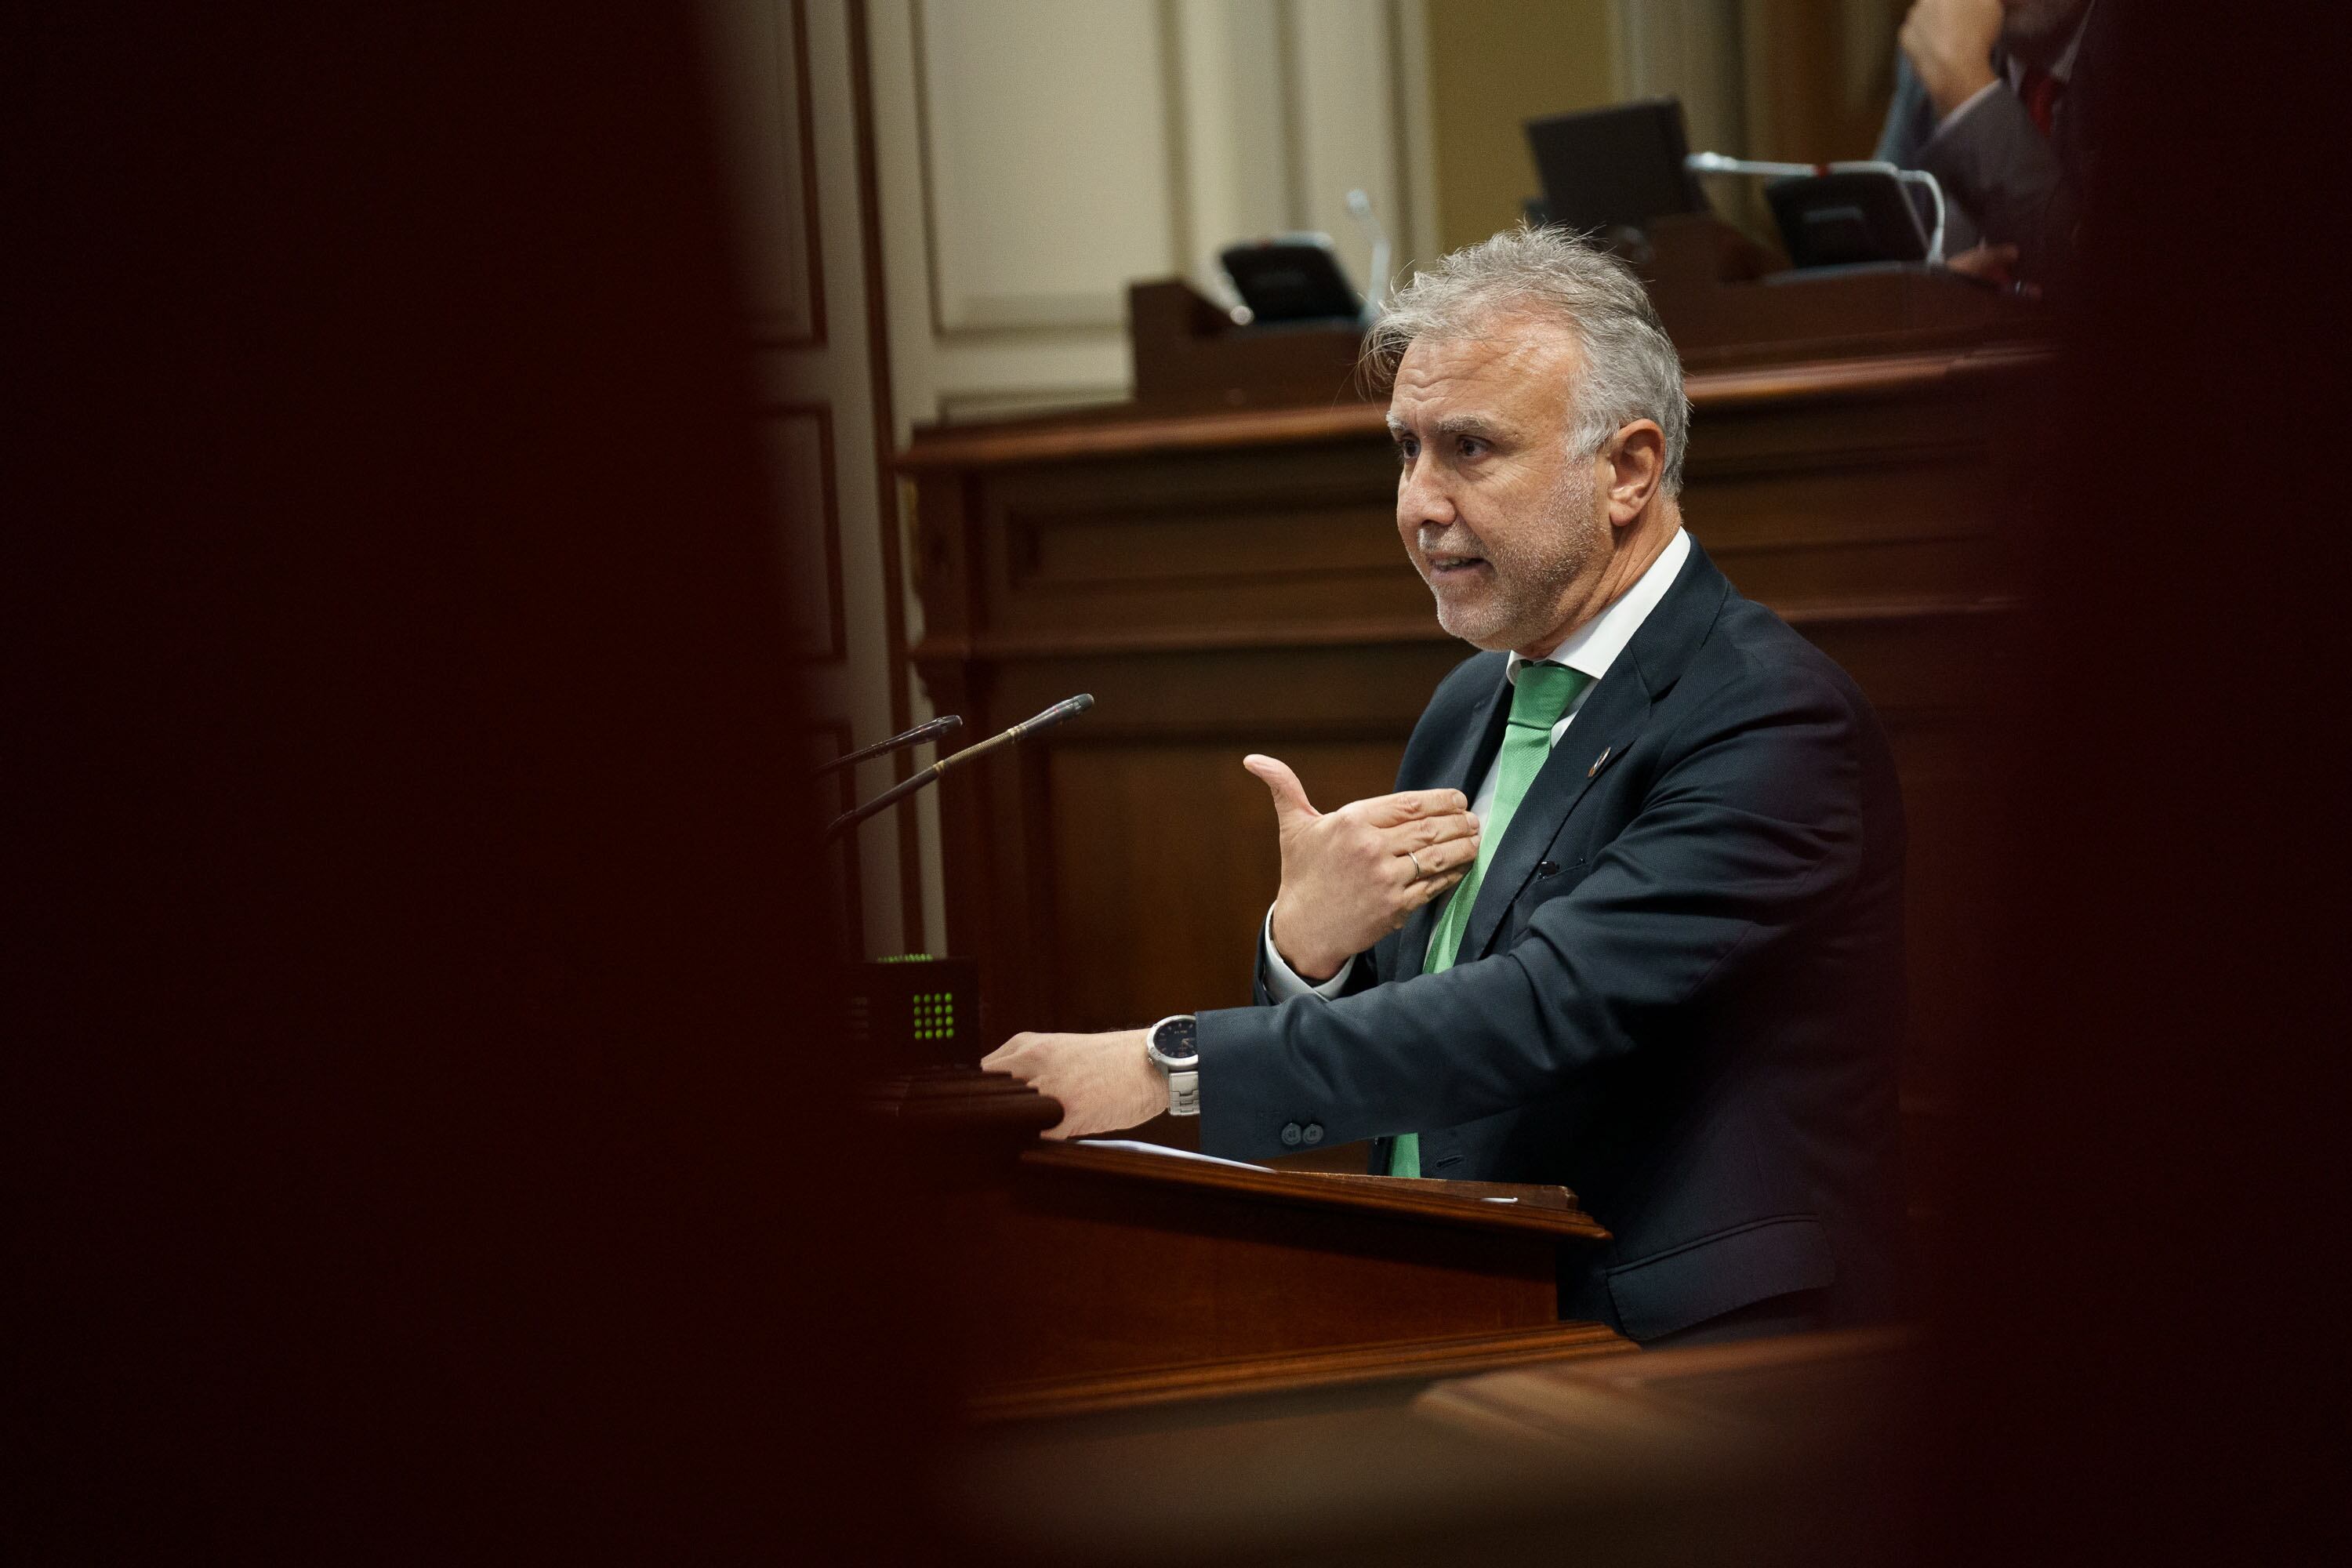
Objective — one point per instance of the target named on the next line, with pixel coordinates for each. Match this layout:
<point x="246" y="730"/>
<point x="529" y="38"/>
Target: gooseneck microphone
<point x="1376" y="287"/>
<point x="1718" y="163"/>
<point x="1060" y="712"/>
<point x="928" y="729"/>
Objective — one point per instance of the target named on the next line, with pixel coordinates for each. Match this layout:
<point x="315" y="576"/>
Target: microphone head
<point x="1060" y="712"/>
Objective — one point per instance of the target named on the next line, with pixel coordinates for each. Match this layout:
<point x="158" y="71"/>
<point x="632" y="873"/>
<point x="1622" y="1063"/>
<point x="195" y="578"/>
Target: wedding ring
<point x="1417" y="873"/>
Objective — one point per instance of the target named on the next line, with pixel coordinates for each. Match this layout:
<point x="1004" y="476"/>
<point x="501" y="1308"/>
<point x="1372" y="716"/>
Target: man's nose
<point x="1422" y="498"/>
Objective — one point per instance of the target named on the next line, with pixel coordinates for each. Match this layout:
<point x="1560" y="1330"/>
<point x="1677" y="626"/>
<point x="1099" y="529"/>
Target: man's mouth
<point x="1451" y="568"/>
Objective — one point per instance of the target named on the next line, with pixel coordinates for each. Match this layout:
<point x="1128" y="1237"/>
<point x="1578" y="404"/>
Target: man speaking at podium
<point x="1632" y="921"/>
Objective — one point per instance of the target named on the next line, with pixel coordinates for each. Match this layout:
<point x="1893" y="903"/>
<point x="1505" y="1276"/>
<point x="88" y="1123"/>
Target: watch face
<point x="1175" y="1038"/>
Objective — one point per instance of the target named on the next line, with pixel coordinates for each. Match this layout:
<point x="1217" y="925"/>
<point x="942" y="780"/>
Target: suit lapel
<point x="1602" y="731"/>
<point x="1604" y="726"/>
<point x="1473" y="754"/>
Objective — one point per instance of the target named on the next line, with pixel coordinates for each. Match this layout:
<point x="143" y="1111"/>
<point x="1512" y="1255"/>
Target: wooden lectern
<point x="1087" y="1278"/>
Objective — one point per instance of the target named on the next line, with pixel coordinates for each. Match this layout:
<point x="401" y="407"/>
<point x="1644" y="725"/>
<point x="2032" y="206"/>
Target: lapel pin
<point x="1599" y="760"/>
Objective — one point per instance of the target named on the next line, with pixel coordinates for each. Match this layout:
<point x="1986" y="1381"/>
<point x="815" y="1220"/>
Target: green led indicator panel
<point x="934" y="1016"/>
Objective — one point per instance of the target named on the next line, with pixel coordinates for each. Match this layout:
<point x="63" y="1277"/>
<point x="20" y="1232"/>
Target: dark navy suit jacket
<point x="1679" y="993"/>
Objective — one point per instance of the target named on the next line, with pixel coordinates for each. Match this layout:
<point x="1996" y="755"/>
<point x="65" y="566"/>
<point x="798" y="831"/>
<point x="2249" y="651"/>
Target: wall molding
<point x="776" y="329"/>
<point x="836" y="648"/>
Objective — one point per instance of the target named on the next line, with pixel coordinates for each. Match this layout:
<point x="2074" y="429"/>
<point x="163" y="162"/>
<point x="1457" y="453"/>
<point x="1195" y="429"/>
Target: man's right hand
<point x="1949" y="43"/>
<point x="1352" y="876"/>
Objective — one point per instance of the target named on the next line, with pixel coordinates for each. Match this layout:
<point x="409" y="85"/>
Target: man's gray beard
<point x="1526" y="604"/>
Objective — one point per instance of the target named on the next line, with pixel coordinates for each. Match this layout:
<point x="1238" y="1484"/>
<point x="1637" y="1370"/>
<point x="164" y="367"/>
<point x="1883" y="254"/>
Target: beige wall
<point x="1037" y="156"/>
<point x="1493" y="64"/>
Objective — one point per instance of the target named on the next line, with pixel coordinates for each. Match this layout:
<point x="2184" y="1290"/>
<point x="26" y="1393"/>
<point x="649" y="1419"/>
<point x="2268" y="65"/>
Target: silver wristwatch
<point x="1171" y="1044"/>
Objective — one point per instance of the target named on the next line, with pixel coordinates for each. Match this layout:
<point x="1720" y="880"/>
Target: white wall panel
<point x="1231" y="55"/>
<point x="1047" y="159"/>
<point x="1345" y="98"/>
<point x="1040" y="155"/>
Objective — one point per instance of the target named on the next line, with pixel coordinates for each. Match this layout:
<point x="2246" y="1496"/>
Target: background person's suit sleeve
<point x="1753" y="824"/>
<point x="1996" y="163"/>
<point x="1910" y="125"/>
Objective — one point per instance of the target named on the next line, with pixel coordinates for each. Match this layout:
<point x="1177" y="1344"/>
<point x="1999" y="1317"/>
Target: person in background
<point x="1995" y="97"/>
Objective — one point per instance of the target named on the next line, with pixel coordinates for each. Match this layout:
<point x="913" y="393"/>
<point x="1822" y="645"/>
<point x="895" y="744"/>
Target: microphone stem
<point x="930" y="730"/>
<point x="915" y="781"/>
<point x="1060" y="712"/>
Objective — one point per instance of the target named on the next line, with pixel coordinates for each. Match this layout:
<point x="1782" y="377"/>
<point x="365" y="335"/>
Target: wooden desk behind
<point x="1226" y="583"/>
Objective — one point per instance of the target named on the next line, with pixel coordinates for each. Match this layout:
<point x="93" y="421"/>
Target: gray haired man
<point x="1632" y="921"/>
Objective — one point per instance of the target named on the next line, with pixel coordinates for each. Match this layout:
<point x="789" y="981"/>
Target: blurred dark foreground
<point x="424" y="1136"/>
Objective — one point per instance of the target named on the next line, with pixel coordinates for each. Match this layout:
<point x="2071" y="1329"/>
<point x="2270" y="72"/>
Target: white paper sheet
<point x="1134" y="1147"/>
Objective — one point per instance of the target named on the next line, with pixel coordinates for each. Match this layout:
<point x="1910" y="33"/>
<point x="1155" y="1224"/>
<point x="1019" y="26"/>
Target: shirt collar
<point x="1593" y="647"/>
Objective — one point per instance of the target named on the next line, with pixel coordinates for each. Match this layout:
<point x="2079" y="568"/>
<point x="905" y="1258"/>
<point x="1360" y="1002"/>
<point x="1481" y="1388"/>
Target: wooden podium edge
<point x="1293" y="1371"/>
<point x="960" y="1099"/>
<point x="1310" y="1189"/>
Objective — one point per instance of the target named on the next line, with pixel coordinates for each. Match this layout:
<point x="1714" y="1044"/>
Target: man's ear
<point x="1637" y="466"/>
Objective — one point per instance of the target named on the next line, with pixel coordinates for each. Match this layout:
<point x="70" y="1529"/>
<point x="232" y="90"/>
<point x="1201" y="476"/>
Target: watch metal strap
<point x="1183" y="1083"/>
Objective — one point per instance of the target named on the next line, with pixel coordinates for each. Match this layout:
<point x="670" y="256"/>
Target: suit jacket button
<point x="1547" y="867"/>
<point x="1313" y="1133"/>
<point x="1291" y="1134"/>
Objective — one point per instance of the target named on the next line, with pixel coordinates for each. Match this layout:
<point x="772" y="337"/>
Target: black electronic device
<point x="1847" y="218"/>
<point x="1291" y="278"/>
<point x="916" y="1012"/>
<point x="1608" y="170"/>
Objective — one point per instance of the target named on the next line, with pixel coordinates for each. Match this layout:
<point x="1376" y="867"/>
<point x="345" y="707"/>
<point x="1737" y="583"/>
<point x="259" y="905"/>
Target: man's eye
<point x="1472" y="446"/>
<point x="1407" y="451"/>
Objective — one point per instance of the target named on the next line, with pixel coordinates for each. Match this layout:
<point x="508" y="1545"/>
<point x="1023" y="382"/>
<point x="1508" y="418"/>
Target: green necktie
<point x="1541" y="695"/>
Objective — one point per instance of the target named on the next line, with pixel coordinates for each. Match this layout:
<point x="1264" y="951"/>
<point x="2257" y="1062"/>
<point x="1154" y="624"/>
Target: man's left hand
<point x="1995" y="264"/>
<point x="1104" y="1082"/>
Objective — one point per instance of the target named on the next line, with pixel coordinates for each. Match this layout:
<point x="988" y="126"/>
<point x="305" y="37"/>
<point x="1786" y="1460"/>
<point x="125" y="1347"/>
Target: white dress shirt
<point x="1593" y="647"/>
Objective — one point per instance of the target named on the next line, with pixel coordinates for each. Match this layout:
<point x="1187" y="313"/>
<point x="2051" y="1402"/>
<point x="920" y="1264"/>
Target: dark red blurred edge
<point x="2141" y="1329"/>
<point x="423" y="1103"/>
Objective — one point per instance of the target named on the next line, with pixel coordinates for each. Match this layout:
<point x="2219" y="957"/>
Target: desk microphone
<point x="1718" y="163"/>
<point x="1060" y="712"/>
<point x="1376" y="287"/>
<point x="928" y="729"/>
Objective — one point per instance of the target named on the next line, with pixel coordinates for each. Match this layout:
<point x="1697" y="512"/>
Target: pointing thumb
<point x="1290" y="803"/>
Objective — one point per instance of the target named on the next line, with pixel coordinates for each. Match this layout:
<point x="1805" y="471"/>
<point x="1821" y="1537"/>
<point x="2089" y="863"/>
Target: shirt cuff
<point x="1283" y="983"/>
<point x="1966" y="105"/>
